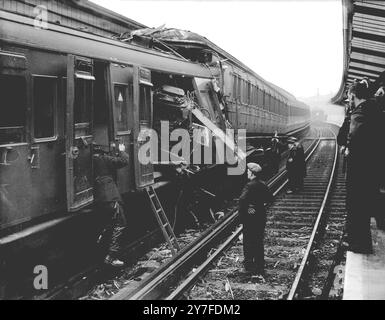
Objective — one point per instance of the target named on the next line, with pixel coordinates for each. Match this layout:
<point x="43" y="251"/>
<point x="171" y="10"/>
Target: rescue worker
<point x="295" y="165"/>
<point x="253" y="217"/>
<point x="108" y="199"/>
<point x="362" y="181"/>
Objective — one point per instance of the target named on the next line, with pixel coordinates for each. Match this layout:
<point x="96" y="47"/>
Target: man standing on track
<point x="273" y="154"/>
<point x="108" y="199"/>
<point x="295" y="165"/>
<point x="253" y="217"/>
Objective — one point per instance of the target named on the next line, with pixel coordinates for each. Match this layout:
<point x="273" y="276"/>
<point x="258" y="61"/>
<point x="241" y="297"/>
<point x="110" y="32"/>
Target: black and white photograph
<point x="192" y="157"/>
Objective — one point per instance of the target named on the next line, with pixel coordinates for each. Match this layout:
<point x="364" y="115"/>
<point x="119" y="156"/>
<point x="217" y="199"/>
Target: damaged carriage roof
<point x="174" y="40"/>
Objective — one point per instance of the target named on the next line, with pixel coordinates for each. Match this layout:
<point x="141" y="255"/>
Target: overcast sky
<point x="294" y="44"/>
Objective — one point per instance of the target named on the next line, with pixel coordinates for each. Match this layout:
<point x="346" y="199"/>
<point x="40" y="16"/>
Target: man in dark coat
<point x="253" y="217"/>
<point x="362" y="181"/>
<point x="342" y="137"/>
<point x="343" y="133"/>
<point x="108" y="199"/>
<point x="379" y="96"/>
<point x="295" y="165"/>
<point x="273" y="154"/>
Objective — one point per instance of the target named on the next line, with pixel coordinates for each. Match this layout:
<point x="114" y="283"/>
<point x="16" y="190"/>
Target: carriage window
<point x="239" y="90"/>
<point x="274" y="104"/>
<point x="264" y="100"/>
<point x="145" y="104"/>
<point x="123" y="103"/>
<point x="83" y="106"/>
<point x="44" y="98"/>
<point x="248" y="93"/>
<point x="13" y="109"/>
<point x="234" y="87"/>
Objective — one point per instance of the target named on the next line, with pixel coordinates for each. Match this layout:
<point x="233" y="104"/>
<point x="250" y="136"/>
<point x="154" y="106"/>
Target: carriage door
<point x="79" y="176"/>
<point x="144" y="173"/>
<point x="15" y="165"/>
<point x="123" y="115"/>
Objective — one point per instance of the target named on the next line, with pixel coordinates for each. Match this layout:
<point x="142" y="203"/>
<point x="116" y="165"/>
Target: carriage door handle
<point x="34" y="158"/>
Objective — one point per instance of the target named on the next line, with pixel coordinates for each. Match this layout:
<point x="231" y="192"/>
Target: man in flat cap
<point x="252" y="212"/>
<point x="295" y="165"/>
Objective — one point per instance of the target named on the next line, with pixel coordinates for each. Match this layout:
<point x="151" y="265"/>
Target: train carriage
<point x="252" y="102"/>
<point x="76" y="87"/>
<point x="76" y="81"/>
<point x="72" y="88"/>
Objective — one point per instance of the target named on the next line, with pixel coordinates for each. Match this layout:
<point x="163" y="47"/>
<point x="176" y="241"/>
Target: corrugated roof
<point x="364" y="42"/>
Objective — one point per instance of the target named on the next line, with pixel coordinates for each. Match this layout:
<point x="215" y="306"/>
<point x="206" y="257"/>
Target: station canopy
<point x="364" y="42"/>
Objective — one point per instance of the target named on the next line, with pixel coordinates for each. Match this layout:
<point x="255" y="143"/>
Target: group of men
<point x="360" y="140"/>
<point x="255" y="195"/>
<point x="252" y="202"/>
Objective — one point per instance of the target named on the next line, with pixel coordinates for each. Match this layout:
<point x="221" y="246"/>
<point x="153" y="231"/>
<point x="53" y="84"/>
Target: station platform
<point x="365" y="274"/>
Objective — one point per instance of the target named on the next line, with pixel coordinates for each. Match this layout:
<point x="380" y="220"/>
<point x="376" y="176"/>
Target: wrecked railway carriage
<point x="88" y="76"/>
<point x="247" y="100"/>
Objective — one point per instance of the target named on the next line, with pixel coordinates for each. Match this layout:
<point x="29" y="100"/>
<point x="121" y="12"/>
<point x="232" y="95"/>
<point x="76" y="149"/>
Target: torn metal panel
<point x="217" y="132"/>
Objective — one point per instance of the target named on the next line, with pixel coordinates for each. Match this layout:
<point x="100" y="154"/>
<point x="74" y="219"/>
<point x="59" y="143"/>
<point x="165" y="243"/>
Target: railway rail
<point x="80" y="283"/>
<point x="321" y="278"/>
<point x="294" y="238"/>
<point x="47" y="152"/>
<point x="159" y="285"/>
<point x="305" y="267"/>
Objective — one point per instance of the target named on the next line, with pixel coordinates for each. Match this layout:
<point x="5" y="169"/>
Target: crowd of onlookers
<point x="361" y="140"/>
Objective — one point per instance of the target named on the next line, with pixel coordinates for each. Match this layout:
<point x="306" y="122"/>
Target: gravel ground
<point x="285" y="243"/>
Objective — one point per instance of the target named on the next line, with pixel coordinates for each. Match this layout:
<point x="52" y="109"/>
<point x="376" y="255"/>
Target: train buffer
<point x="163" y="222"/>
<point x="365" y="273"/>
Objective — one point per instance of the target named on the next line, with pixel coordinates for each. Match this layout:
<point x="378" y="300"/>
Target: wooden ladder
<point x="163" y="222"/>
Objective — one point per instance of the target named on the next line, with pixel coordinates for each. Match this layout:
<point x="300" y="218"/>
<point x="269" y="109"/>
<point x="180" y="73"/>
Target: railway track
<point x="298" y="256"/>
<point x="301" y="284"/>
<point x="158" y="285"/>
<point x="326" y="261"/>
<point x="81" y="283"/>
